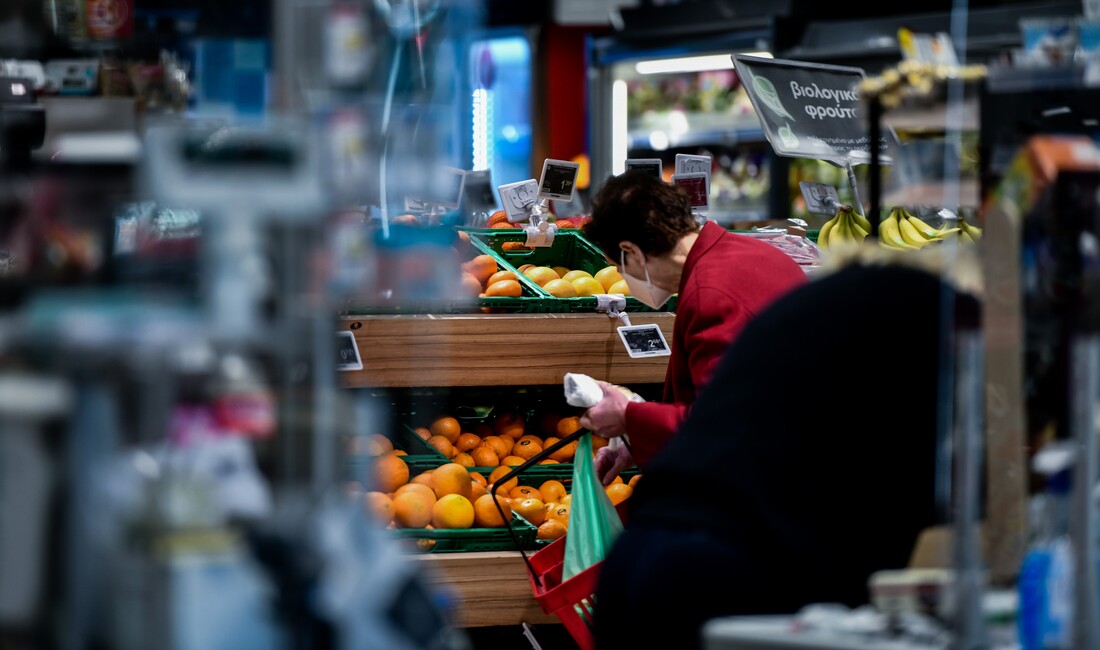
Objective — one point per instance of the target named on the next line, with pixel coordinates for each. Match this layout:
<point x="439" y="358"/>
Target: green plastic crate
<point x="530" y="302"/>
<point x="421" y="456"/>
<point x="570" y="249"/>
<point x="473" y="539"/>
<point x="433" y="459"/>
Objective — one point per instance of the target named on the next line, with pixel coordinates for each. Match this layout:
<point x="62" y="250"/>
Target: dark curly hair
<point x="640" y="208"/>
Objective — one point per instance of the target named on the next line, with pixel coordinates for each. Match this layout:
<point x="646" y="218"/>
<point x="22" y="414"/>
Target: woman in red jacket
<point x="723" y="279"/>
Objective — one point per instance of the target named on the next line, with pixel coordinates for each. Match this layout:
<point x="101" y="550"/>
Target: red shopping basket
<point x="572" y="601"/>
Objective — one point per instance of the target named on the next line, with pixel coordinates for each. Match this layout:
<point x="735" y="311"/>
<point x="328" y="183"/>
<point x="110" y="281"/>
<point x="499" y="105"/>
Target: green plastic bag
<point x="593" y="522"/>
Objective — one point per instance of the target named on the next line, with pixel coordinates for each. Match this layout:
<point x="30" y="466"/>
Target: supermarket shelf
<point x="488" y="588"/>
<point x="933" y="193"/>
<point x="729" y="137"/>
<point x="931" y="120"/>
<point x="497" y="349"/>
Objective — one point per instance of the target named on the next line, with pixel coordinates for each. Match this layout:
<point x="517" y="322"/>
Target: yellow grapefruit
<point x="608" y="276"/>
<point x="587" y="286"/>
<point x="620" y="287"/>
<point x="540" y="275"/>
<point x="560" y="289"/>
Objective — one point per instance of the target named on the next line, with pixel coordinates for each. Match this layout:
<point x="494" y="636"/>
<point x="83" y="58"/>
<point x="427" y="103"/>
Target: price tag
<point x="559" y="180"/>
<point x="820" y="198"/>
<point x="518" y="198"/>
<point x="414" y="206"/>
<point x="644" y="341"/>
<point x="686" y="164"/>
<point x="697" y="186"/>
<point x="651" y="166"/>
<point x="347" y="352"/>
<point x="478" y="192"/>
<point x="810" y="110"/>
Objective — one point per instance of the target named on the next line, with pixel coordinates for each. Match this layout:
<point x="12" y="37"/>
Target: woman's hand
<point x="611" y="461"/>
<point x="608" y="417"/>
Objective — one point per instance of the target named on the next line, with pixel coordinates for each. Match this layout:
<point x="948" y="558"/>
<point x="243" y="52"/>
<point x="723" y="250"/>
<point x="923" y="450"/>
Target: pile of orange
<point x="481" y="277"/>
<point x="506" y="440"/>
<point x="561" y="282"/>
<point x="498" y="219"/>
<point x="452" y="497"/>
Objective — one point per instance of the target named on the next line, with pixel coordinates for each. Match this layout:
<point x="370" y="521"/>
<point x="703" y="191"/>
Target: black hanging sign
<point x="810" y="110"/>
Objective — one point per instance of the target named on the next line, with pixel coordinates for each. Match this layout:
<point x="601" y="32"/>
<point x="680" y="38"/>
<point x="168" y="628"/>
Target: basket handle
<point x="542" y="455"/>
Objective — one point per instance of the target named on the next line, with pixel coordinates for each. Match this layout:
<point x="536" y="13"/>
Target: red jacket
<point x="727" y="279"/>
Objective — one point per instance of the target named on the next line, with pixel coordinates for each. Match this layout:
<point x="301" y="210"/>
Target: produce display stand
<point x="493" y="588"/>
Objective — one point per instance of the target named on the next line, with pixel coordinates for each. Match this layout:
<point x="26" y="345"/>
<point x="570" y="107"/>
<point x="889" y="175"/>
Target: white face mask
<point x="643" y="290"/>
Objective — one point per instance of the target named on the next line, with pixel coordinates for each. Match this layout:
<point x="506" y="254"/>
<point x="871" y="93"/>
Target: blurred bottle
<point x="347" y="57"/>
<point x="1046" y="576"/>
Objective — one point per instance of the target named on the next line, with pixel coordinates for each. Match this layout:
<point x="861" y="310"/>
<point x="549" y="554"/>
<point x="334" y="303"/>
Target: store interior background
<point x="133" y="280"/>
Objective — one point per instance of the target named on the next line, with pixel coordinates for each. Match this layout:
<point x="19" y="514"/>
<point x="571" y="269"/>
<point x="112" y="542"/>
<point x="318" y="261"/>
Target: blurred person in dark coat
<point x="806" y="464"/>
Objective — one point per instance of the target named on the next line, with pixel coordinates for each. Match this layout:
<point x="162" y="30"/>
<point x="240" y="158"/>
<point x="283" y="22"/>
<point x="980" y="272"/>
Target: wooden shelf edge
<point x="496" y="349"/>
<point x="485" y="588"/>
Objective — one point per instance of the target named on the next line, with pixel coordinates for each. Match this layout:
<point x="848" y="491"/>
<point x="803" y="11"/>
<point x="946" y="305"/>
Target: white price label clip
<point x="820" y="198"/>
<point x="643" y="341"/>
<point x="347" y="352"/>
<point x="542" y="235"/>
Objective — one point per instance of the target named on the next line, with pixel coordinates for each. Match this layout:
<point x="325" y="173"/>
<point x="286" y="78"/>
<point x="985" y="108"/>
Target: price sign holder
<point x="821" y="198"/>
<point x="811" y="110"/>
<point x="519" y="198"/>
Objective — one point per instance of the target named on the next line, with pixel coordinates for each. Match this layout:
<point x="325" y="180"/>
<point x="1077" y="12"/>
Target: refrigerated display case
<point x="656" y="100"/>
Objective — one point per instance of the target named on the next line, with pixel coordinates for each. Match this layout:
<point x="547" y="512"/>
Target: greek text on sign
<point x="810" y="110"/>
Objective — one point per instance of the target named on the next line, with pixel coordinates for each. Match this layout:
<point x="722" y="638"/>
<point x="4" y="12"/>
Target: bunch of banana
<point x="967" y="232"/>
<point x="848" y="226"/>
<point x="905" y="231"/>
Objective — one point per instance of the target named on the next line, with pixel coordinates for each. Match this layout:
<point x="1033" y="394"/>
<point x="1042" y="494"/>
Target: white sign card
<point x="643" y="341"/>
<point x="688" y="164"/>
<point x="347" y="352"/>
<point x="518" y="198"/>
<point x="697" y="186"/>
<point x="559" y="180"/>
<point x="651" y="166"/>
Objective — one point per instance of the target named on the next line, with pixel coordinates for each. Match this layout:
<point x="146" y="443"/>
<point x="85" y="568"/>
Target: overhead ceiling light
<point x="691" y="63"/>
